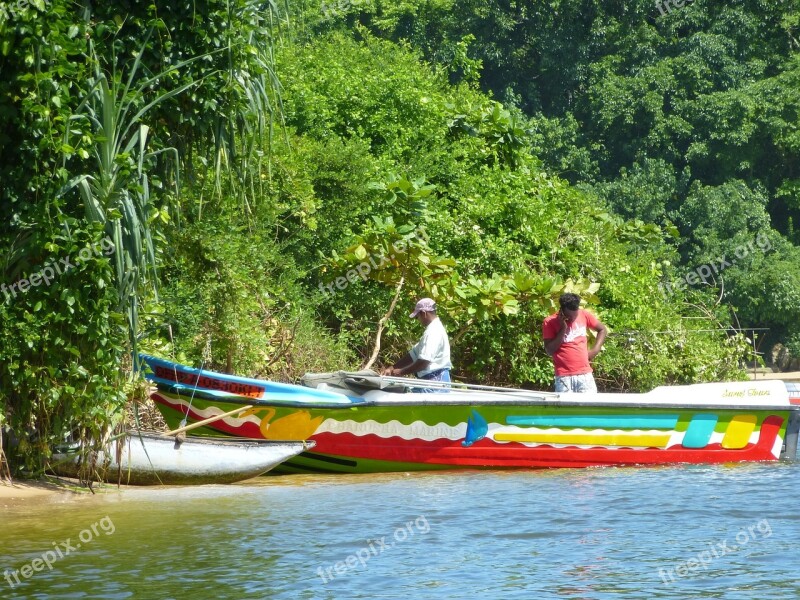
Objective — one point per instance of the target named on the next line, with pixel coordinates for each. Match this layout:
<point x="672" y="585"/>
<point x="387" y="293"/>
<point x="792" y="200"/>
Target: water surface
<point x="679" y="532"/>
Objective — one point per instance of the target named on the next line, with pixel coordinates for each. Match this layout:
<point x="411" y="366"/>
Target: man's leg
<point x="584" y="384"/>
<point x="563" y="384"/>
<point x="442" y="375"/>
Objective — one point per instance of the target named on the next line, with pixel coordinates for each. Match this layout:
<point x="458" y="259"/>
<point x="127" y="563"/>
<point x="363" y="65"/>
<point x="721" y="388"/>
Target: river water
<point x="730" y="531"/>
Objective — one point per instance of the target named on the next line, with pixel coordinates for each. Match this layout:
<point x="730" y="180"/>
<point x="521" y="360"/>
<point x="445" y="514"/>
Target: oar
<point x="209" y="420"/>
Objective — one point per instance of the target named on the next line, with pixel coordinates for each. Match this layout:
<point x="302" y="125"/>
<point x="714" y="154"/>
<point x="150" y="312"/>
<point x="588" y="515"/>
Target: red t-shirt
<point x="572" y="357"/>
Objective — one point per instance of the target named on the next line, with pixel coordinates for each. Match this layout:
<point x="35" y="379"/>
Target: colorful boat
<point x="364" y="423"/>
<point x="141" y="458"/>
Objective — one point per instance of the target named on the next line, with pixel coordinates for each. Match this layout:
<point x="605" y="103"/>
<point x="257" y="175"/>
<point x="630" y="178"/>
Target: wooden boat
<point x="367" y="424"/>
<point x="140" y="458"/>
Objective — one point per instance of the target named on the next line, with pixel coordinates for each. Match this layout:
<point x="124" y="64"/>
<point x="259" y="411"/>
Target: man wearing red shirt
<point x="565" y="340"/>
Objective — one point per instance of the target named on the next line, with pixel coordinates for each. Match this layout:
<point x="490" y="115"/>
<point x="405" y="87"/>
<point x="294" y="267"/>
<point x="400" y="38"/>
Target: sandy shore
<point x="24" y="491"/>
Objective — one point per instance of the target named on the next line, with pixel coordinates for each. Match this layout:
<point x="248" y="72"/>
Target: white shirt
<point x="433" y="347"/>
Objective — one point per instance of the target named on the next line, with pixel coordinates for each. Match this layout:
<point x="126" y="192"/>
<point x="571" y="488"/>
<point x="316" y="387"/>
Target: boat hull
<point x="413" y="434"/>
<point x="153" y="459"/>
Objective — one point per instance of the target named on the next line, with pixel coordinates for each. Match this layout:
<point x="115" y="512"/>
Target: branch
<point x="382" y="324"/>
<point x="462" y="331"/>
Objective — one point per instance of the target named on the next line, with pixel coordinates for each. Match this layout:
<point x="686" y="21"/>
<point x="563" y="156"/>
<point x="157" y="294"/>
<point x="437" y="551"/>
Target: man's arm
<point x="418" y="365"/>
<point x="551" y="345"/>
<point x="602" y="331"/>
<point x="406" y="365"/>
<point x="403" y="362"/>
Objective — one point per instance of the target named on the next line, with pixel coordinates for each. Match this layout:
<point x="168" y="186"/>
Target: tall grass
<point x="115" y="188"/>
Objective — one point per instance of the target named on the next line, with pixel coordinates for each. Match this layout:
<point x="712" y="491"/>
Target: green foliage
<point x="223" y="50"/>
<point x="90" y="102"/>
<point x="62" y="345"/>
<point x="116" y="191"/>
<point x="557" y="142"/>
<point x="715" y="221"/>
<point x="765" y="287"/>
<point x="647" y="191"/>
<point x="665" y="114"/>
<point x="394" y="108"/>
<point x="514" y="237"/>
<point x="231" y="288"/>
<point x="503" y="133"/>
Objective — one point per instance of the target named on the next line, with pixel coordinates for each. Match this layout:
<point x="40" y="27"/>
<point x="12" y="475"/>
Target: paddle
<point x="209" y="420"/>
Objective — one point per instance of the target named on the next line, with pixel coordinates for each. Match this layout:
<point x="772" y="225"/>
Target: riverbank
<point x="782" y="376"/>
<point x="24" y="491"/>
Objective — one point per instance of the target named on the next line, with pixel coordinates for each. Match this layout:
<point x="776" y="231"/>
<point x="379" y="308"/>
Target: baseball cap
<point x="424" y="305"/>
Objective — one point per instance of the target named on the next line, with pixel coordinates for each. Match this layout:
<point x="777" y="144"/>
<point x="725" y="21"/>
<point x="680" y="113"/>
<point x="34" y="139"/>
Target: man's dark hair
<point x="570" y="301"/>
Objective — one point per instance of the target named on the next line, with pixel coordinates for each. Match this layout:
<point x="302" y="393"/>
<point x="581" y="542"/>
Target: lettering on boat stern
<point x="211" y="383"/>
<point x="374" y="547"/>
<point x="749" y="393"/>
<point x="60" y="550"/>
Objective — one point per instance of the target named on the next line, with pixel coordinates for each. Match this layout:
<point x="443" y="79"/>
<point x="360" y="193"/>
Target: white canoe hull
<point x="153" y="459"/>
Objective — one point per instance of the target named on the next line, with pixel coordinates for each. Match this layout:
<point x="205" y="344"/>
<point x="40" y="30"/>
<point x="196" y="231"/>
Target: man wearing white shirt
<point x="430" y="358"/>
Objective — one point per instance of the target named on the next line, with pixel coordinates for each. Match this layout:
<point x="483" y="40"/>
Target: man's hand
<point x="602" y="331"/>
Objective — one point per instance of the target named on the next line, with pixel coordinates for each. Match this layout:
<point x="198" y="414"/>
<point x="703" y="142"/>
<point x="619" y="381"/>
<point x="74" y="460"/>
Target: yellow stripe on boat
<point x="739" y="430"/>
<point x="642" y="440"/>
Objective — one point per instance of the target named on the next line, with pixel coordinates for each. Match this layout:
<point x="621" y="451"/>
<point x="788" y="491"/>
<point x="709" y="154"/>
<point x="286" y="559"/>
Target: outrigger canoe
<point x="363" y="423"/>
<point x="141" y="458"/>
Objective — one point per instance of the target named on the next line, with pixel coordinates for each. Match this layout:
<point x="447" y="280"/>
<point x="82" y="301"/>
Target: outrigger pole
<point x="425" y="383"/>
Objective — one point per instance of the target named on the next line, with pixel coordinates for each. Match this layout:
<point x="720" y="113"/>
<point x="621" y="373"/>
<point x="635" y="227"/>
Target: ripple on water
<point x="591" y="534"/>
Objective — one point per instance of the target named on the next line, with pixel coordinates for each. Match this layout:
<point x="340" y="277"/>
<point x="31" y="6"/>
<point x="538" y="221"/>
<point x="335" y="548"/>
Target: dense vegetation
<point x="251" y="187"/>
<point x="682" y="116"/>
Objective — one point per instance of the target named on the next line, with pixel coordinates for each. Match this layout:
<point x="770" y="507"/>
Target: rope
<point x="206" y="358"/>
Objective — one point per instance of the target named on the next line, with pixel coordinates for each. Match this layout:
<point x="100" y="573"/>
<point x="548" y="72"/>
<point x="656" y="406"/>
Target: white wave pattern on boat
<point x="416" y="430"/>
<point x="213" y="411"/>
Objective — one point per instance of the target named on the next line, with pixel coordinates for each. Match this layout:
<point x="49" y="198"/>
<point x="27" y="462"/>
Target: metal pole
<point x="792" y="429"/>
<point x="461" y="387"/>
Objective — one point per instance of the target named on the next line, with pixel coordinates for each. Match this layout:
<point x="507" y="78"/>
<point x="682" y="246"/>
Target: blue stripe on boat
<point x="699" y="432"/>
<point x="304" y="394"/>
<point x="271" y="397"/>
<point x="598" y="421"/>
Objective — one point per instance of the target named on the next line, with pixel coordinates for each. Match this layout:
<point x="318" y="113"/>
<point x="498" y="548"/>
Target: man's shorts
<point x="577" y="384"/>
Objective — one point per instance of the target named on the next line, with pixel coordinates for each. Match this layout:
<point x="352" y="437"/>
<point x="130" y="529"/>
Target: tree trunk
<point x="382" y="324"/>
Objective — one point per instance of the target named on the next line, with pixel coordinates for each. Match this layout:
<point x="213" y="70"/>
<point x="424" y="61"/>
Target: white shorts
<point x="577" y="384"/>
